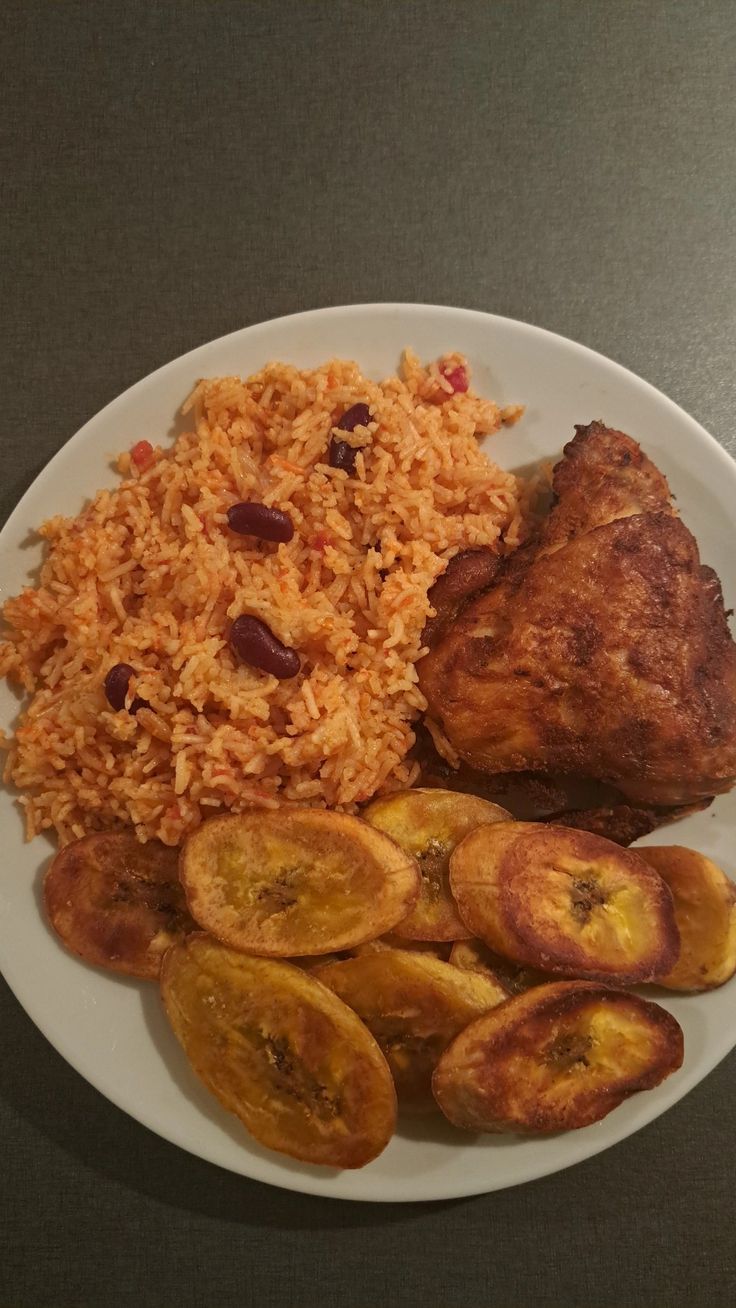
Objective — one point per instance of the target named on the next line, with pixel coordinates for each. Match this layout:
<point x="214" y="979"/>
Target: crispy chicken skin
<point x="602" y="649"/>
<point x="465" y="575"/>
<point x="623" y="824"/>
<point x="603" y="476"/>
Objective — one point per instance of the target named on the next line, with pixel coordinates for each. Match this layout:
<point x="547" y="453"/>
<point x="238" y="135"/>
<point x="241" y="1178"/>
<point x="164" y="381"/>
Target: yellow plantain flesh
<point x="281" y="1052"/>
<point x="287" y="882"/>
<point x="556" y="1058"/>
<point x="565" y="901"/>
<point x="414" y="1005"/>
<point x="428" y="824"/>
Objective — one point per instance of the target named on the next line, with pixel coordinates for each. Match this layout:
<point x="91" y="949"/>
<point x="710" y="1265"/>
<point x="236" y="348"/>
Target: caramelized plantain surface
<point x="566" y="902"/>
<point x="474" y="956"/>
<point x="117" y="903"/>
<point x="428" y="824"/>
<point x="281" y="1052"/>
<point x="705" y="911"/>
<point x="414" y="1005"/>
<point x="296" y="881"/>
<point x="436" y="949"/>
<point x="557" y="1058"/>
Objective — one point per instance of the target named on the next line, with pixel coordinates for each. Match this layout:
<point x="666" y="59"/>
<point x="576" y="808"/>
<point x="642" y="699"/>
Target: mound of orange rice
<point x="149" y="574"/>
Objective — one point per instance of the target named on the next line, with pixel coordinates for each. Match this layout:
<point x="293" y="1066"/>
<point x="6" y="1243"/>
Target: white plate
<point x="112" y="1031"/>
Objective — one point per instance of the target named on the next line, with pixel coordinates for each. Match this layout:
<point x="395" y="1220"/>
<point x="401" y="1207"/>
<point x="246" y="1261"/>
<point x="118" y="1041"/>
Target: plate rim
<point x="581" y="1146"/>
<point x="138" y="387"/>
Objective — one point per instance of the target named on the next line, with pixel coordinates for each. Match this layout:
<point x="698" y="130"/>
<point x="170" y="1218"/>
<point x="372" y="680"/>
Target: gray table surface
<point x="175" y="171"/>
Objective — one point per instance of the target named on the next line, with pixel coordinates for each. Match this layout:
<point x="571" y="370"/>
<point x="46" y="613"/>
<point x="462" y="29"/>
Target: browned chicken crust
<point x="603" y="476"/>
<point x="622" y="823"/>
<point x="602" y="649"/>
<point x="465" y="575"/>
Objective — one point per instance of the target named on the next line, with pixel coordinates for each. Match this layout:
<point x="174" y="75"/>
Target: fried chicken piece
<point x="604" y="476"/>
<point x="623" y="824"/>
<point x="466" y="574"/>
<point x="602" y="649"/>
<point x="566" y="801"/>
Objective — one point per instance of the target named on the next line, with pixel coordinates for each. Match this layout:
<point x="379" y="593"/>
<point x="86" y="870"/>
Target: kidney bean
<point x="254" y="643"/>
<point x="116" y="688"/>
<point x="116" y="685"/>
<point x="341" y="454"/>
<point x="250" y="518"/>
<point x="358" y="415"/>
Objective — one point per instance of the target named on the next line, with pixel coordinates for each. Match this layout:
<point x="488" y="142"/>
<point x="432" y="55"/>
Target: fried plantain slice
<point x="308" y="962"/>
<point x="566" y="902"/>
<point x="436" y="949"/>
<point x="514" y="978"/>
<point x="117" y="903"/>
<point x="414" y="1005"/>
<point x="284" y="882"/>
<point x="705" y="911"/>
<point x="428" y="824"/>
<point x="281" y="1052"/>
<point x="556" y="1058"/>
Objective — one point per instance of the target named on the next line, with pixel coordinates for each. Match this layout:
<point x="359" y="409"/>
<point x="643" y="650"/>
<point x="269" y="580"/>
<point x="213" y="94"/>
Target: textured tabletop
<point x="175" y="171"/>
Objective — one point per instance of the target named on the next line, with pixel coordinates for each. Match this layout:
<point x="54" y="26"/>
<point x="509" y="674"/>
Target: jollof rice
<point x="148" y="574"/>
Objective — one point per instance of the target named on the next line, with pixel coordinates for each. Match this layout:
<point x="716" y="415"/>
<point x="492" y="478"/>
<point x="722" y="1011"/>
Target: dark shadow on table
<point x="42" y="1089"/>
<point x="48" y="1094"/>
